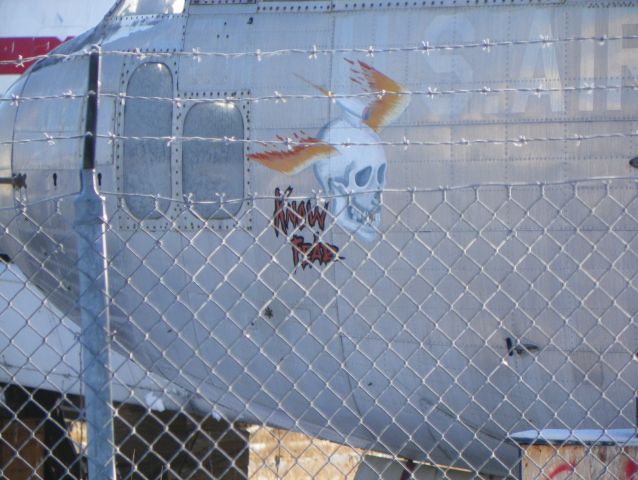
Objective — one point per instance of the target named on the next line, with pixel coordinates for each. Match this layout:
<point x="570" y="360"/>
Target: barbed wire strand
<point x="594" y="182"/>
<point x="293" y="142"/>
<point x="585" y="183"/>
<point x="430" y="92"/>
<point x="424" y="47"/>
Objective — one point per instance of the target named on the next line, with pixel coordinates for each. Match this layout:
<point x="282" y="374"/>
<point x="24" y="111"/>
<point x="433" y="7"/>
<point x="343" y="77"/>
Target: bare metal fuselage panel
<point x="398" y="342"/>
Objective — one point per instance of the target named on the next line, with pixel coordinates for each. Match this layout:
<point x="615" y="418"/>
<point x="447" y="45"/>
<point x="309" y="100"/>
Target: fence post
<point x="94" y="336"/>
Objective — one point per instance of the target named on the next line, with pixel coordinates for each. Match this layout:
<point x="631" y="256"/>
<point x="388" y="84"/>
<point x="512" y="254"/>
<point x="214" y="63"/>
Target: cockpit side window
<point x="150" y="7"/>
<point x="146" y="162"/>
<point x="213" y="169"/>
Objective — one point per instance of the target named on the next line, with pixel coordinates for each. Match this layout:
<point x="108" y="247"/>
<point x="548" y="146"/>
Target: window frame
<point x="125" y="217"/>
<point x="188" y="219"/>
<point x="178" y="216"/>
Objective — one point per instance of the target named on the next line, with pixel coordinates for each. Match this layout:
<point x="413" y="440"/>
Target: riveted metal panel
<point x="150" y="7"/>
<point x="222" y="2"/>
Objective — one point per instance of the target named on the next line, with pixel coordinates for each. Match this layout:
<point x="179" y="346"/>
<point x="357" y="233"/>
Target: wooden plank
<point x="549" y="462"/>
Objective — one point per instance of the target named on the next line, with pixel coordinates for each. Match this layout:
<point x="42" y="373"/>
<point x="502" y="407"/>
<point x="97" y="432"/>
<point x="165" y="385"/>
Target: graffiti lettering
<point x="294" y="216"/>
<point x="297" y="214"/>
<point x="309" y="253"/>
<point x="630" y="470"/>
<point x="562" y="468"/>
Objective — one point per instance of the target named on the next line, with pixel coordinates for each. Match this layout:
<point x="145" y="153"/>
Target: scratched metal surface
<point x="425" y="236"/>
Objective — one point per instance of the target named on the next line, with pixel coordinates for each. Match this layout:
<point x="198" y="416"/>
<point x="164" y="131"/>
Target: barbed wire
<point x="17" y="99"/>
<point x="606" y="182"/>
<point x="431" y="92"/>
<point x="314" y="52"/>
<point x="410" y="264"/>
<point x="405" y="142"/>
<point x="293" y="142"/>
<point x="593" y="182"/>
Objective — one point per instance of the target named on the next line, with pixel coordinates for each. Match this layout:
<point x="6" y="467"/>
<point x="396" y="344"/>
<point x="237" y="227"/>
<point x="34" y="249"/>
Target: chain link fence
<point x="333" y="328"/>
<point x="477" y="313"/>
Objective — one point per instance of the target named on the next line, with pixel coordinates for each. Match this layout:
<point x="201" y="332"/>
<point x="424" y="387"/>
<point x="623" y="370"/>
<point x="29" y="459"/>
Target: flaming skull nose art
<point x="348" y="161"/>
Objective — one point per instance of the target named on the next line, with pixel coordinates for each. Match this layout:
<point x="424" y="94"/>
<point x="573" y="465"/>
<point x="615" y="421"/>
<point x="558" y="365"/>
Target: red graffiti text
<point x="562" y="468"/>
<point x="314" y="252"/>
<point x="297" y="214"/>
<point x="293" y="216"/>
<point x="630" y="470"/>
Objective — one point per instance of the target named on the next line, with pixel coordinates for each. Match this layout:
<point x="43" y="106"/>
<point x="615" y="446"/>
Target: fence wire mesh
<point x="477" y="312"/>
<point x="482" y="331"/>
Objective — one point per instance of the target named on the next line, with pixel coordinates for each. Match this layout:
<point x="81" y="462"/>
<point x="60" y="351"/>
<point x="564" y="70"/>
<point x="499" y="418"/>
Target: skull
<point x="355" y="177"/>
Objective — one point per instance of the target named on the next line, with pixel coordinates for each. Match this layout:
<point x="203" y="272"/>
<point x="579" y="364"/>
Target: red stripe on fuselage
<point x="14" y="48"/>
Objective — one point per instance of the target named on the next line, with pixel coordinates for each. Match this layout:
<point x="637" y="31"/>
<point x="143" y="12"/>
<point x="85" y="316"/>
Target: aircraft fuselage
<point x="334" y="216"/>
